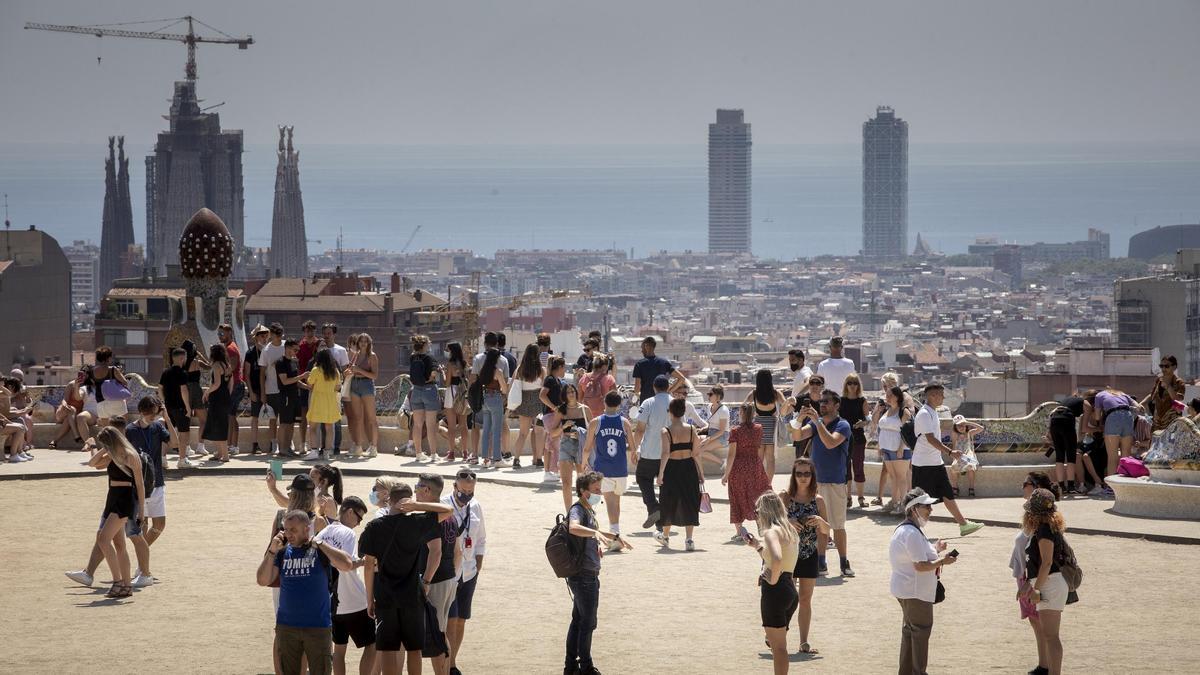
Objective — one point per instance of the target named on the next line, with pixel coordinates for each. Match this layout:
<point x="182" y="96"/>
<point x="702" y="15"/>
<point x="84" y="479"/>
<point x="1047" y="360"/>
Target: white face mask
<point x="594" y="500"/>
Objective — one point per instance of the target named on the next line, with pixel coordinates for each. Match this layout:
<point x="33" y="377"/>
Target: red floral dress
<point x="747" y="478"/>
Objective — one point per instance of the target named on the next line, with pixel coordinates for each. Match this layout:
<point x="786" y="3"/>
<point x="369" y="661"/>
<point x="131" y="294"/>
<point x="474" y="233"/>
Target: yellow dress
<point x="323" y="401"/>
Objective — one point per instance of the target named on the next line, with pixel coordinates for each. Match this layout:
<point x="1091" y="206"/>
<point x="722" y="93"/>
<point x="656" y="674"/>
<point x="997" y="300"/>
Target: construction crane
<point x="410" y="239"/>
<point x="190" y="38"/>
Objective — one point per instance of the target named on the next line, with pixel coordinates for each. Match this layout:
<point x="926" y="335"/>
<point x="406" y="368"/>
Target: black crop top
<point x="116" y="473"/>
<point x="686" y="445"/>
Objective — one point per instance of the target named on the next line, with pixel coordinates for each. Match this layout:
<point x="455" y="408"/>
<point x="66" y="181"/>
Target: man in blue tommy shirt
<point x="303" y="625"/>
<point x="830" y="436"/>
<point x="653" y="417"/>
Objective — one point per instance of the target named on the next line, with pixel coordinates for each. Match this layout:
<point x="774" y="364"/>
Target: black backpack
<point x="908" y="432"/>
<point x="563" y="552"/>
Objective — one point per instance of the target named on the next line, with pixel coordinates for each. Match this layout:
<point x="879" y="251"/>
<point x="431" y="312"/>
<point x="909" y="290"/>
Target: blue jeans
<point x="493" y="424"/>
<point x="585" y="591"/>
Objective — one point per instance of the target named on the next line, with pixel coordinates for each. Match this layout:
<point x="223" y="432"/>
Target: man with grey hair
<point x="301" y="564"/>
<point x="916" y="564"/>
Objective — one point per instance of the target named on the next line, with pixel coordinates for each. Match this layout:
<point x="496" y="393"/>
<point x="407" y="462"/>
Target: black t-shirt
<point x="171" y="380"/>
<point x="584" y="362"/>
<point x="555" y="393"/>
<point x="397" y="542"/>
<point x="252" y="355"/>
<point x="1033" y="554"/>
<point x="648" y="369"/>
<point x="449" y="536"/>
<point x="1074" y="404"/>
<point x="288" y="367"/>
<point x="421" y="368"/>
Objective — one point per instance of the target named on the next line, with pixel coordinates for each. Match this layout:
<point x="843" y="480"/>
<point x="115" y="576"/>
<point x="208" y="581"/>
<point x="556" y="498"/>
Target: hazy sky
<point x="618" y="71"/>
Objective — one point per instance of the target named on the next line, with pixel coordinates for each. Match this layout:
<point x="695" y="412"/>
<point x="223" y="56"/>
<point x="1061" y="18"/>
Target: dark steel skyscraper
<point x="885" y="185"/>
<point x="729" y="184"/>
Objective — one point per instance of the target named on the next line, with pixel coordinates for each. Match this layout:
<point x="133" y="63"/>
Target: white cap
<point x="959" y="419"/>
<point x="918" y="500"/>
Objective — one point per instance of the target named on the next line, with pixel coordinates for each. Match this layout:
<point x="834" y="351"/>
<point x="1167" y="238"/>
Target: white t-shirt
<point x="800" y="381"/>
<point x="266" y="359"/>
<point x="927" y="422"/>
<point x="501" y="365"/>
<point x="351" y="590"/>
<point x="835" y="372"/>
<point x="889" y="432"/>
<point x="340" y="356"/>
<point x="714" y="419"/>
<point x="908" y="546"/>
<point x="473" y="514"/>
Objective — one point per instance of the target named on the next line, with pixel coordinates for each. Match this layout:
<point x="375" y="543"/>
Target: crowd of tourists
<point x="407" y="581"/>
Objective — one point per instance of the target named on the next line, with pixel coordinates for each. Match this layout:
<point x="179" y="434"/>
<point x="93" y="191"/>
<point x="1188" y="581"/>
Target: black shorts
<point x="304" y="398"/>
<point x="179" y="419"/>
<point x="256" y="408"/>
<point x="196" y="396"/>
<point x="461" y="607"/>
<point x="399" y="628"/>
<point x="778" y="603"/>
<point x="122" y="501"/>
<point x="356" y="625"/>
<point x="933" y="480"/>
<point x="235" y="398"/>
<point x="1062" y="435"/>
<point x="806" y="568"/>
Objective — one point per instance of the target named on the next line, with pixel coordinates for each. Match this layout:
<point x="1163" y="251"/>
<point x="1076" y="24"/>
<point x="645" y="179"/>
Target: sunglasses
<point x="805" y="474"/>
<point x="1027" y="484"/>
<point x="1165" y="365"/>
<point x="467" y="474"/>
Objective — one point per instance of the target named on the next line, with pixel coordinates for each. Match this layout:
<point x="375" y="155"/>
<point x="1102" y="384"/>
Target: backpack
<point x="475" y="396"/>
<point x="147" y="464"/>
<point x="908" y="432"/>
<point x="564" y="554"/>
<point x="1069" y="567"/>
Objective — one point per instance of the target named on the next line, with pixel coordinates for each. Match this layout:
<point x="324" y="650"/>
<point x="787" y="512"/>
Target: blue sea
<point x="806" y="199"/>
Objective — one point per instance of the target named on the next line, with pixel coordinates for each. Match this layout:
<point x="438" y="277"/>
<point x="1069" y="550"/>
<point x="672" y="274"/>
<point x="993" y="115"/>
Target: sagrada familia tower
<point x="116" y="224"/>
<point x="289" y="243"/>
<point x="195" y="165"/>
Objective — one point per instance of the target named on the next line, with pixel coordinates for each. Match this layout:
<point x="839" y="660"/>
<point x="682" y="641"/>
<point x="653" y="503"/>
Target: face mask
<point x="464" y="497"/>
<point x="594" y="500"/>
<point x="374" y="499"/>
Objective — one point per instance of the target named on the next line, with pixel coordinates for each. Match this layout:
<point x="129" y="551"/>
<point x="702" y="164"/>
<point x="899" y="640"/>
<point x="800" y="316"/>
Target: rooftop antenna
<point x="7" y="228"/>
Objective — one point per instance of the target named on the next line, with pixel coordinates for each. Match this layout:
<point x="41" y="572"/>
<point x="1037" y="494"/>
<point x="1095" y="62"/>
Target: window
<point x="136" y="365"/>
<point x="135" y="337"/>
<point x="125" y="307"/>
<point x="158" y="308"/>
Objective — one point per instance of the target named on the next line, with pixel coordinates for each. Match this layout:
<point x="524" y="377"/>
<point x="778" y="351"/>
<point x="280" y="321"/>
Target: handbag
<point x="940" y="594"/>
<point x="344" y="394"/>
<point x="266" y="414"/>
<point x="514" y="394"/>
<point x="705" y="501"/>
<point x="113" y="390"/>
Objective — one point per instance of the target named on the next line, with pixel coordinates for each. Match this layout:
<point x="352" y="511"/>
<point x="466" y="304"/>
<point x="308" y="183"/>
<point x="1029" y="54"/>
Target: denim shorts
<point x="569" y="449"/>
<point x="893" y="455"/>
<point x="424" y="398"/>
<point x="362" y="386"/>
<point x="1119" y="423"/>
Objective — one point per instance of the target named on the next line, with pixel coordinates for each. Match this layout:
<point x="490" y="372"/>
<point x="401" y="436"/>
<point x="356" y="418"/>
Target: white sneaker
<point x="614" y="546"/>
<point x="357" y="452"/>
<point x="201" y="450"/>
<point x="17" y="459"/>
<point x="141" y="581"/>
<point x="233" y="450"/>
<point x="25" y="455"/>
<point x="274" y="448"/>
<point x="506" y="461"/>
<point x="310" y="456"/>
<point x="372" y="452"/>
<point x="186" y="463"/>
<point x="661" y="538"/>
<point x="190" y="451"/>
<point x="80" y="577"/>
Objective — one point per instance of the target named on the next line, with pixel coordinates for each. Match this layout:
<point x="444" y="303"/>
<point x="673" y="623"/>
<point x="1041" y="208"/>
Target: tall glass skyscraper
<point x="885" y="185"/>
<point x="729" y="184"/>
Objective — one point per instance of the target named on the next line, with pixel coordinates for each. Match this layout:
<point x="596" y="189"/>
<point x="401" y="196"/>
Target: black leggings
<point x="1062" y="434"/>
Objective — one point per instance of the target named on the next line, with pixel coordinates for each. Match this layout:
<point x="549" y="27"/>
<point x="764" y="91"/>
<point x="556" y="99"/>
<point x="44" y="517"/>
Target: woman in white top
<point x="895" y="456"/>
<point x="915" y="567"/>
<point x="529" y="375"/>
<point x="717" y="426"/>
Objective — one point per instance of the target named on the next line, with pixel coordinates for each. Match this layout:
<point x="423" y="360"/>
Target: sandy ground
<point x="660" y="611"/>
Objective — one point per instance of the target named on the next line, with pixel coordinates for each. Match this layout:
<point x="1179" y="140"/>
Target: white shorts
<point x="1054" y="593"/>
<point x="613" y="485"/>
<point x="110" y="409"/>
<point x="156" y="503"/>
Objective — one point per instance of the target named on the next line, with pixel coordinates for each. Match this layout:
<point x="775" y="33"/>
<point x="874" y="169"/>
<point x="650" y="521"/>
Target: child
<point x="962" y="439"/>
<point x="611" y="455"/>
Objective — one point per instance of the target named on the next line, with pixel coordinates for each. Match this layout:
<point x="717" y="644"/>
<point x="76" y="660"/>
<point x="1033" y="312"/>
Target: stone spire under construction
<point x="289" y="243"/>
<point x="116" y="225"/>
<point x="195" y="165"/>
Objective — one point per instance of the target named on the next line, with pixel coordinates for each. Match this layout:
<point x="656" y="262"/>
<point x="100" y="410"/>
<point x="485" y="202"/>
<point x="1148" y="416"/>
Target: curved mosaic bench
<point x="1172" y="490"/>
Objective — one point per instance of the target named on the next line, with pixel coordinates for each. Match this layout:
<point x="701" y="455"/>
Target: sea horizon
<point x="806" y="198"/>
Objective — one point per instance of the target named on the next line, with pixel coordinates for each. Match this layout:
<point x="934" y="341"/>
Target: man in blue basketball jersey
<point x="608" y="435"/>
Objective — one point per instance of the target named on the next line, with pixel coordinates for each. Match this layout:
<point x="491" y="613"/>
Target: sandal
<point x="877" y="502"/>
<point x="862" y="503"/>
<point x="52" y="445"/>
<point x="970" y="492"/>
<point x="956" y="493"/>
<point x="806" y="648"/>
<point x="119" y="590"/>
